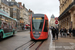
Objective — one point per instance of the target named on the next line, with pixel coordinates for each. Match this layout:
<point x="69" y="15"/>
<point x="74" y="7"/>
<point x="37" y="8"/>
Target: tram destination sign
<point x="37" y="18"/>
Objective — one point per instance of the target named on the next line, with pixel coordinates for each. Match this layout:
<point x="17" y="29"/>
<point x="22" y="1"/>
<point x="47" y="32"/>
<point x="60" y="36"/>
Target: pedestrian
<point x="70" y="30"/>
<point x="53" y="33"/>
<point x="57" y="32"/>
<point x="65" y="32"/>
<point x="73" y="31"/>
<point x="61" y="32"/>
<point x="22" y="27"/>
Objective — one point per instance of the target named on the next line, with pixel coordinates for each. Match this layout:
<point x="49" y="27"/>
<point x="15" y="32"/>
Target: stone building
<point x="14" y="11"/>
<point x="52" y="21"/>
<point x="24" y="14"/>
<point x="21" y="13"/>
<point x="67" y="14"/>
<point x="26" y="18"/>
<point x="5" y="6"/>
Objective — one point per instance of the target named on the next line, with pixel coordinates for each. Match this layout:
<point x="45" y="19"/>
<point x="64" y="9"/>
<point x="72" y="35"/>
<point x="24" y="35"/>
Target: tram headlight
<point x="39" y="32"/>
<point x="33" y="32"/>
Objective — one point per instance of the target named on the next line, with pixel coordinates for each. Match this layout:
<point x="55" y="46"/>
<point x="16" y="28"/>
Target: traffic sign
<point x="56" y="18"/>
<point x="56" y="22"/>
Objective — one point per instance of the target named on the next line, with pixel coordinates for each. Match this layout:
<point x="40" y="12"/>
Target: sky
<point x="47" y="7"/>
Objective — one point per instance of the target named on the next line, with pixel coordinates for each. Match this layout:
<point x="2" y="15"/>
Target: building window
<point x="14" y="14"/>
<point x="14" y="9"/>
<point x="18" y="5"/>
<point x="12" y="3"/>
<point x="65" y="2"/>
<point x="3" y="8"/>
<point x="6" y="8"/>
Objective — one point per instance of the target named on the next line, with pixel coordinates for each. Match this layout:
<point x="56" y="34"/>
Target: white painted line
<point x="52" y="44"/>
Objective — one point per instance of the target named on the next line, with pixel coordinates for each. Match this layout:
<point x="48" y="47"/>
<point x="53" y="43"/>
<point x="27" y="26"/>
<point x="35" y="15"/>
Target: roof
<point x="6" y="15"/>
<point x="13" y="3"/>
<point x="52" y="16"/>
<point x="37" y="15"/>
<point x="5" y="2"/>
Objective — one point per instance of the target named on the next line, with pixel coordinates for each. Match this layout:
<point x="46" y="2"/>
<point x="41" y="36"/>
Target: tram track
<point x="29" y="45"/>
<point x="33" y="46"/>
<point x="39" y="45"/>
<point x="21" y="45"/>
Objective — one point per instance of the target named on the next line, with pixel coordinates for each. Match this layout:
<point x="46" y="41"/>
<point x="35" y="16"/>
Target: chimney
<point x="20" y="3"/>
<point x="29" y="10"/>
<point x="24" y="5"/>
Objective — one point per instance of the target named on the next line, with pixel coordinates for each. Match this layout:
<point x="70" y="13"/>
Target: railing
<point x="73" y="3"/>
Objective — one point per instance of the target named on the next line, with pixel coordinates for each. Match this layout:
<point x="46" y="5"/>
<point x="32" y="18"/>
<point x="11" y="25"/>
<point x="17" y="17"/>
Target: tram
<point x="39" y="27"/>
<point x="8" y="25"/>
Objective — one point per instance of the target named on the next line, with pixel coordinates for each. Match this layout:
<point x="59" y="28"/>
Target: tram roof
<point x="6" y="14"/>
<point x="38" y="15"/>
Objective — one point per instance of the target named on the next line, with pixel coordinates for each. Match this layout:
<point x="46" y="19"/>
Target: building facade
<point x="5" y="6"/>
<point x="21" y="13"/>
<point x="52" y="21"/>
<point x="14" y="9"/>
<point x="26" y="16"/>
<point x="15" y="12"/>
<point x="67" y="14"/>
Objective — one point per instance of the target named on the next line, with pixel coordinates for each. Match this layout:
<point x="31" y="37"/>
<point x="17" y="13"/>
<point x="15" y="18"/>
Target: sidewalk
<point x="64" y="43"/>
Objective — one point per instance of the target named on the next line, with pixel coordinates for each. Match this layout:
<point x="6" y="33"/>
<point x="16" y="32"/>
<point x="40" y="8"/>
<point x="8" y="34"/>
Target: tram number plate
<point x="36" y="33"/>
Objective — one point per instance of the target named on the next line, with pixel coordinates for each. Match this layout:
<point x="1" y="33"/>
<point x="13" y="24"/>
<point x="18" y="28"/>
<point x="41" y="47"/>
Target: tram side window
<point x="46" y="26"/>
<point x="0" y="23"/>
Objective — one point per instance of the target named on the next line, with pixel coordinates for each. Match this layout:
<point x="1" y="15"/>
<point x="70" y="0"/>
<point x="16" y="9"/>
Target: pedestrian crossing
<point x="62" y="46"/>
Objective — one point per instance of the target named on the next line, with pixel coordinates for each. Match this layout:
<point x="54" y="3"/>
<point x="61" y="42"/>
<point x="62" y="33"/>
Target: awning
<point x="6" y="15"/>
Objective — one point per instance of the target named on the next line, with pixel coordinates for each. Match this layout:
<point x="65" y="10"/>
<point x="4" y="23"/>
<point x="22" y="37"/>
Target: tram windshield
<point x="37" y="24"/>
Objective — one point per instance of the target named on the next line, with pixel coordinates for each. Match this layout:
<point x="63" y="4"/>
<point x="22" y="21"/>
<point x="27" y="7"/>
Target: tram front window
<point x="37" y="24"/>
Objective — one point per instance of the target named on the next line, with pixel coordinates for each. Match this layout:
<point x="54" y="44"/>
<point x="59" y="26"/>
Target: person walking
<point x="65" y="32"/>
<point x="57" y="32"/>
<point x="53" y="33"/>
<point x="70" y="30"/>
<point x="61" y="32"/>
